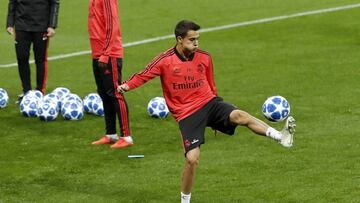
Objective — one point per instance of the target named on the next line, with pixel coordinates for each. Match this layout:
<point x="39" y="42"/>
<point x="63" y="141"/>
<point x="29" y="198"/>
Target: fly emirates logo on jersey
<point x="188" y="77"/>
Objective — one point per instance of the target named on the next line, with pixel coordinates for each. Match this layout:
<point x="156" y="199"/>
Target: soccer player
<point x="32" y="22"/>
<point x="107" y="54"/>
<point x="187" y="80"/>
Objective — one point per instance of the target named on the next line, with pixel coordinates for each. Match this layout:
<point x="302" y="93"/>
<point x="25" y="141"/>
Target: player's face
<point x="191" y="41"/>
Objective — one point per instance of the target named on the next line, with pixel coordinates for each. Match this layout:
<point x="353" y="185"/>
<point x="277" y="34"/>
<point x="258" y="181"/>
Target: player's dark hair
<point x="184" y="26"/>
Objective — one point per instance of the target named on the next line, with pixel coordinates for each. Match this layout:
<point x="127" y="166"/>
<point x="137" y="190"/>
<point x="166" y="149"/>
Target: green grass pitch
<point x="313" y="61"/>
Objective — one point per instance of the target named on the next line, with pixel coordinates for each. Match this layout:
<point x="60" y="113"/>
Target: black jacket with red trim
<point x="32" y="15"/>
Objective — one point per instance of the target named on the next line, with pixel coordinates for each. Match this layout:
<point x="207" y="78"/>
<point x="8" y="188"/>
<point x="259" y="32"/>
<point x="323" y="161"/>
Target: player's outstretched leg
<point x="284" y="137"/>
<point x="288" y="132"/>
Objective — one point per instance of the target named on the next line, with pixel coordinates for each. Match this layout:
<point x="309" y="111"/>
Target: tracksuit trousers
<point x="107" y="79"/>
<point x="40" y="42"/>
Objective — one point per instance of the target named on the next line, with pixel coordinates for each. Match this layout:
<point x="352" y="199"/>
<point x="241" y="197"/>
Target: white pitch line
<point x="211" y="29"/>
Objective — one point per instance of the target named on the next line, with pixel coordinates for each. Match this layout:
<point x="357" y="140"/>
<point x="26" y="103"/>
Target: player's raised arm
<point x="152" y="70"/>
<point x="139" y="78"/>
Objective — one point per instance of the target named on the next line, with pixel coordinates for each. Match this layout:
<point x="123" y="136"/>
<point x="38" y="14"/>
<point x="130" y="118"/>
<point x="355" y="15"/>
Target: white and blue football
<point x="47" y="110"/>
<point x="276" y="108"/>
<point x="72" y="110"/>
<point x="61" y="92"/>
<point x="71" y="96"/>
<point x="89" y="100"/>
<point x="98" y="107"/>
<point x="34" y="93"/>
<point x="157" y="108"/>
<point x="53" y="98"/>
<point x="4" y="98"/>
<point x="29" y="106"/>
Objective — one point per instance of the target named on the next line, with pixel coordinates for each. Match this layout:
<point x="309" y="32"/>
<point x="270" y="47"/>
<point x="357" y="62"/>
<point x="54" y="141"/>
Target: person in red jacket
<point x="107" y="53"/>
<point x="187" y="80"/>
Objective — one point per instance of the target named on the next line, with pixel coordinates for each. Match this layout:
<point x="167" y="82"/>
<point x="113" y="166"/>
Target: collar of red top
<point x="181" y="57"/>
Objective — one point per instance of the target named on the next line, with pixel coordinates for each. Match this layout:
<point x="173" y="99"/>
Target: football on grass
<point x="276" y="108"/>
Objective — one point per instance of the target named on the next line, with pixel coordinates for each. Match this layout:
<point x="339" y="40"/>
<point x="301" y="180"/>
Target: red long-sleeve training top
<point x="104" y="30"/>
<point x="187" y="84"/>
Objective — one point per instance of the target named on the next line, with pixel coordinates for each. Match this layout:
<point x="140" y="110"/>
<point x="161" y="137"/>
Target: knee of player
<point x="192" y="160"/>
<point x="239" y="117"/>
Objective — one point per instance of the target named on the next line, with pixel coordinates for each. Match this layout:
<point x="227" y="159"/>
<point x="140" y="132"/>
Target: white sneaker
<point x="288" y="132"/>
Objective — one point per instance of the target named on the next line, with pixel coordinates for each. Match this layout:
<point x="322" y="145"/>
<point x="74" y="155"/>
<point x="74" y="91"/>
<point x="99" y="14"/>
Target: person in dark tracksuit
<point x="32" y="22"/>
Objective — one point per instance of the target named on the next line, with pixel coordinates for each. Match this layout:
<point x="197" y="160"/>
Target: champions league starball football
<point x="29" y="106"/>
<point x="29" y="103"/>
<point x="88" y="102"/>
<point x="61" y="92"/>
<point x="53" y="98"/>
<point x="157" y="108"/>
<point x="69" y="97"/>
<point x="276" y="108"/>
<point x="93" y="104"/>
<point x="34" y="93"/>
<point x="72" y="110"/>
<point x="47" y="110"/>
<point x="98" y="107"/>
<point x="4" y="98"/>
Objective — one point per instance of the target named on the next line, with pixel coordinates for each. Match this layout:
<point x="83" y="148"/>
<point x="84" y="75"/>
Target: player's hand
<point x="50" y="32"/>
<point x="10" y="30"/>
<point x="123" y="88"/>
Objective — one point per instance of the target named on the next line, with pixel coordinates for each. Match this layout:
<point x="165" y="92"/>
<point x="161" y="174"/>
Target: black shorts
<point x="214" y="114"/>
